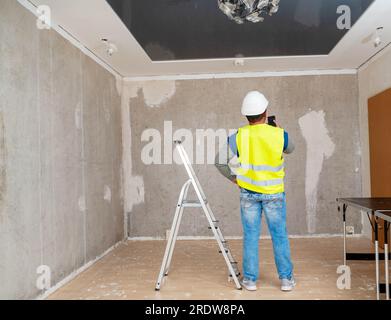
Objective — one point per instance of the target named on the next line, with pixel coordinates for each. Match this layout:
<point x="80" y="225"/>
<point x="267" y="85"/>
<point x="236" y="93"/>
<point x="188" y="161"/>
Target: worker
<point x="258" y="149"/>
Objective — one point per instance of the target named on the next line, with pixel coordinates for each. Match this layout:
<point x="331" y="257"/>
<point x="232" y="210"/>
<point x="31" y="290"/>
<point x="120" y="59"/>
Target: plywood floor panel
<point x="199" y="272"/>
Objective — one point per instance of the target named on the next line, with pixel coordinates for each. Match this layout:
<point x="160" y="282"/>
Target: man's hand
<point x="234" y="181"/>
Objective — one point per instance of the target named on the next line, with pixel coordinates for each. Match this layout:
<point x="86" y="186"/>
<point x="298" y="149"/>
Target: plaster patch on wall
<point x="158" y="92"/>
<point x="121" y="182"/>
<point x="155" y="93"/>
<point x="78" y="116"/>
<point x="118" y="85"/>
<point x="3" y="167"/>
<point x="136" y="190"/>
<point x="130" y="90"/>
<point x="106" y="112"/>
<point x="358" y="149"/>
<point x="133" y="186"/>
<point x="319" y="147"/>
<point x="82" y="204"/>
<point x="107" y="194"/>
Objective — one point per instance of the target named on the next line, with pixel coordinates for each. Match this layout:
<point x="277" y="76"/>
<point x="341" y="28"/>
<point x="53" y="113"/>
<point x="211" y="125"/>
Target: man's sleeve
<point x="289" y="147"/>
<point x="232" y="144"/>
<point x="227" y="152"/>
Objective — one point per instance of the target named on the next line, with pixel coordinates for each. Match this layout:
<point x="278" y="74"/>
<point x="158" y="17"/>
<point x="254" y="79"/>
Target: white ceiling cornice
<point x="245" y="75"/>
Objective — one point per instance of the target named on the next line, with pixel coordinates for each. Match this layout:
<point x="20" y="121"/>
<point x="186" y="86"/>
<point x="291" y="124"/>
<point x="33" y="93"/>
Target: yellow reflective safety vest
<point x="260" y="149"/>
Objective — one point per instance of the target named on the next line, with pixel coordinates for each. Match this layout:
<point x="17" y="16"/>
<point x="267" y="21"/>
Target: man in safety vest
<point x="259" y="148"/>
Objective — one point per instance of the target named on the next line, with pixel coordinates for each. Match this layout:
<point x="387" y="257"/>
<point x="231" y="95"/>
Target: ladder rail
<point x="203" y="203"/>
<point x="189" y="168"/>
<point x="222" y="237"/>
<point x="186" y="161"/>
<point x="223" y="249"/>
<point x="176" y="230"/>
<point x="207" y="209"/>
<point x="170" y="243"/>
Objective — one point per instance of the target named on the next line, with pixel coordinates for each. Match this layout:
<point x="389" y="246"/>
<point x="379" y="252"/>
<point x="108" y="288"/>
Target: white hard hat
<point x="254" y="104"/>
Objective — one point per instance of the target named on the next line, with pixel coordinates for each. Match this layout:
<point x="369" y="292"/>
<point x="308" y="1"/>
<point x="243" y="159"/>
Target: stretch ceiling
<point x="197" y="29"/>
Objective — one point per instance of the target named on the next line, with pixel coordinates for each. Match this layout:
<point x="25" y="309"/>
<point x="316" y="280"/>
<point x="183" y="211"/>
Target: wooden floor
<point x="199" y="272"/>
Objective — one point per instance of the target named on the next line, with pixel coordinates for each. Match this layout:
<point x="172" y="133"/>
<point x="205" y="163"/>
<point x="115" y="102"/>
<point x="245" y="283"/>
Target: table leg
<point x="377" y="259"/>
<point x="386" y="224"/>
<point x="344" y="207"/>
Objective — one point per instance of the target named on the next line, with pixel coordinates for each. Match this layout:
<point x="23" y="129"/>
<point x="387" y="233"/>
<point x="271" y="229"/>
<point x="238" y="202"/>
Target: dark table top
<point x="385" y="215"/>
<point x="369" y="204"/>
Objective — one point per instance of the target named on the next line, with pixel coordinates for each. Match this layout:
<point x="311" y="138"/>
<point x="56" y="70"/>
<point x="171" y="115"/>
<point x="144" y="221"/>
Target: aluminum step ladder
<point x="202" y="202"/>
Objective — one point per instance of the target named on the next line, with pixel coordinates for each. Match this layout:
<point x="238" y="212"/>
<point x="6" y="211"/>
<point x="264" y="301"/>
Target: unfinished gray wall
<point x="60" y="155"/>
<point x="319" y="112"/>
<point x="374" y="78"/>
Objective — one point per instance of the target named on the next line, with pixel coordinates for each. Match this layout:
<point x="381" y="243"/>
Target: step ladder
<point x="202" y="202"/>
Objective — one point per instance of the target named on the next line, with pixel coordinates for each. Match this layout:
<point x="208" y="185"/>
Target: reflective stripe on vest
<point x="265" y="183"/>
<point x="260" y="149"/>
<point x="262" y="168"/>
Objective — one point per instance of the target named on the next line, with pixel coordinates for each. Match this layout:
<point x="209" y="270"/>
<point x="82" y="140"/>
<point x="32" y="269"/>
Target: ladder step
<point x="237" y="274"/>
<point x="190" y="204"/>
<point x="216" y="227"/>
<point x="226" y="251"/>
<point x="234" y="265"/>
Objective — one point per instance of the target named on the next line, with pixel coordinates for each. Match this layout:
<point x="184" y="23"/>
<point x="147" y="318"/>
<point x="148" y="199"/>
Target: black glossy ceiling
<point x="197" y="29"/>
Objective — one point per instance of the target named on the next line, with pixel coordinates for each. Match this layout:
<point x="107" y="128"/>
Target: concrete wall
<point x="60" y="155"/>
<point x="319" y="112"/>
<point x="374" y="77"/>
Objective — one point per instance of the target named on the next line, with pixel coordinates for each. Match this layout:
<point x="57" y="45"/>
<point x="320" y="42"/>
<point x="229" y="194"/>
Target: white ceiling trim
<point x="382" y="52"/>
<point x="244" y="75"/>
<point x="66" y="35"/>
<point x="246" y="59"/>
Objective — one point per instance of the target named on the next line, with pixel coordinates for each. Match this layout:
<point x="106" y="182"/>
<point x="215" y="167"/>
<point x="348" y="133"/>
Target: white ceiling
<point x="91" y="20"/>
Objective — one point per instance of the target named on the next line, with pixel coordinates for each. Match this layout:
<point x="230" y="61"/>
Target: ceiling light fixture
<point x="111" y="48"/>
<point x="239" y="62"/>
<point x="242" y="11"/>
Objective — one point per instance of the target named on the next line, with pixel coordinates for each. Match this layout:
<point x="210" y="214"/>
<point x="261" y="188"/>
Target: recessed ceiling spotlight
<point x="377" y="37"/>
<point x="111" y="48"/>
<point x="239" y="62"/>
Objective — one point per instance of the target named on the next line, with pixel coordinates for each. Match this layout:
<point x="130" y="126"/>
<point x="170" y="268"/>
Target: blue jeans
<point x="274" y="206"/>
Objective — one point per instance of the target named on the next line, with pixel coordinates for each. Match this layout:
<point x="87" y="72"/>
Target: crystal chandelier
<point x="248" y="10"/>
